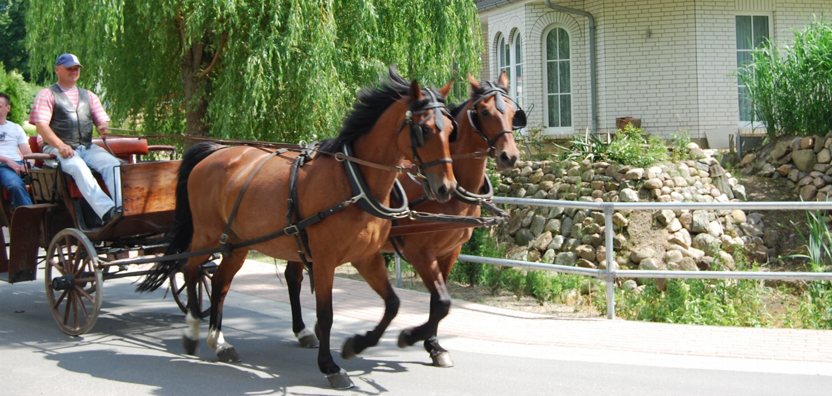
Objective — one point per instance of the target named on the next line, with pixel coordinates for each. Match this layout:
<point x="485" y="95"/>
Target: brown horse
<point x="486" y="122"/>
<point x="239" y="197"/>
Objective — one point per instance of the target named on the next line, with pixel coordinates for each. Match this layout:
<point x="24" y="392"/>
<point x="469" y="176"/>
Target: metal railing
<point x="611" y="272"/>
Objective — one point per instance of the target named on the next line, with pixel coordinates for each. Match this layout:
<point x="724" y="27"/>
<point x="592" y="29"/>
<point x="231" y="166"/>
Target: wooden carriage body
<point x="148" y="195"/>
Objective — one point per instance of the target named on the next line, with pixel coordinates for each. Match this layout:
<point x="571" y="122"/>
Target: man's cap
<point x="67" y="60"/>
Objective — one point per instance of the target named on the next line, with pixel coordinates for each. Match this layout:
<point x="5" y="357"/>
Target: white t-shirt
<point x="11" y="136"/>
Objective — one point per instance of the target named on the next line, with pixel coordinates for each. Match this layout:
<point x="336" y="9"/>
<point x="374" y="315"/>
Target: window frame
<point x="758" y="124"/>
<point x="557" y="130"/>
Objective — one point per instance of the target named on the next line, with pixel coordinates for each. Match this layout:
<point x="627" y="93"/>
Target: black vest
<point x="72" y="124"/>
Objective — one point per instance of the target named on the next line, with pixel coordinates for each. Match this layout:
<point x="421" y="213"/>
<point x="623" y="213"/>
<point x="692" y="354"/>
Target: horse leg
<point x="323" y="276"/>
<point x="440" y="305"/>
<point x="190" y="336"/>
<point x="294" y="282"/>
<point x="221" y="284"/>
<point x="375" y="274"/>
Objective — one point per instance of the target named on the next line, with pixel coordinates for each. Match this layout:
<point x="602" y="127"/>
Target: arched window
<point x="558" y="79"/>
<point x="516" y="74"/>
<point x="503" y="58"/>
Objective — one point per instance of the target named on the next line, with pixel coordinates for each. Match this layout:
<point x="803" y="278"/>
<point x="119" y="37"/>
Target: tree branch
<point x="223" y="42"/>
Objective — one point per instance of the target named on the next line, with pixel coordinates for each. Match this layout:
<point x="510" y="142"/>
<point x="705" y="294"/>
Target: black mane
<point x="370" y="104"/>
<point x="476" y="94"/>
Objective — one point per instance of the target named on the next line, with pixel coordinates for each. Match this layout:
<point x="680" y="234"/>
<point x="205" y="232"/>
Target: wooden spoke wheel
<point x="73" y="281"/>
<point x="203" y="289"/>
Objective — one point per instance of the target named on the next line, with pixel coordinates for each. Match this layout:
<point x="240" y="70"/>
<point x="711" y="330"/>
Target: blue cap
<point x="67" y="60"/>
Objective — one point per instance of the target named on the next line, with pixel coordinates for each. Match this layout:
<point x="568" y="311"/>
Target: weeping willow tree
<point x="283" y="70"/>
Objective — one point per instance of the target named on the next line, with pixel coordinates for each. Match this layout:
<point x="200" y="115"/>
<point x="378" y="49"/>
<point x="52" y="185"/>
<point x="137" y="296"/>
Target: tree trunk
<point x="194" y="84"/>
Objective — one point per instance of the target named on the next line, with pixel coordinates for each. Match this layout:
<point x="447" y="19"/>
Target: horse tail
<point x="182" y="230"/>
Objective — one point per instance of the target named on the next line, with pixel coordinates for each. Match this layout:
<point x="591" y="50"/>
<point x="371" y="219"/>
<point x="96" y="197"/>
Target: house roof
<point x="483" y="5"/>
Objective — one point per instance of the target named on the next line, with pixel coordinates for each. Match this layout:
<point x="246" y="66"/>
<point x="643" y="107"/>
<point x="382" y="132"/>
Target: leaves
<point x="289" y="70"/>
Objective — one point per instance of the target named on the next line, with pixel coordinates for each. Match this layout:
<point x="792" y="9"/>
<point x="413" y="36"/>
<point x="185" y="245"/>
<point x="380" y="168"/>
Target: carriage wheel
<point x="73" y="281"/>
<point x="203" y="289"/>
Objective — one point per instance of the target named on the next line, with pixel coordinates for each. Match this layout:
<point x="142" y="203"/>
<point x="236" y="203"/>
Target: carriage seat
<point x="123" y="148"/>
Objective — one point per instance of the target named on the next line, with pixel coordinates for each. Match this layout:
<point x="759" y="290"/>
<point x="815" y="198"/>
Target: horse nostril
<point x="508" y="160"/>
<point x="442" y="190"/>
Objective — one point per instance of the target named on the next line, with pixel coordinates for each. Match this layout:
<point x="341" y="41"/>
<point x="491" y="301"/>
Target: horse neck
<point x="379" y="146"/>
<point x="469" y="172"/>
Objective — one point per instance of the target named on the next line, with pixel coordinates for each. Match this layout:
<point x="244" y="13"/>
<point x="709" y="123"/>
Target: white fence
<point x="611" y="273"/>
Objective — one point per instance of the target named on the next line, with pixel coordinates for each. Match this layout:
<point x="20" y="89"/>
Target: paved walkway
<point x="499" y="331"/>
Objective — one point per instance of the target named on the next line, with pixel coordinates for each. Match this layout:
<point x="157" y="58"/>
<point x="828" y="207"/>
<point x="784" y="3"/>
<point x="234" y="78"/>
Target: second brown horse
<point x="486" y="124"/>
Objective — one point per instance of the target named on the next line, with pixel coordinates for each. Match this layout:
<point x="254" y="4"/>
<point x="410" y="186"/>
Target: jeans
<point x="11" y="181"/>
<point x="78" y="166"/>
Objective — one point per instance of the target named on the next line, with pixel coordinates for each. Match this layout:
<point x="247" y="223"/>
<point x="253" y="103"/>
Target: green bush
<point x="21" y="93"/>
<point x="633" y="146"/>
<point x="790" y="88"/>
<point x="630" y="146"/>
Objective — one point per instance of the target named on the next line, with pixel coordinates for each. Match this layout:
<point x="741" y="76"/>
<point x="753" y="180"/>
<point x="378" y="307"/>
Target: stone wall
<point x="667" y="239"/>
<point x="804" y="162"/>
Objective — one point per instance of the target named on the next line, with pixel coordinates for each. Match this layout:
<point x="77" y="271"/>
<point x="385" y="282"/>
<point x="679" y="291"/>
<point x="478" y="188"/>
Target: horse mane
<point x="370" y="104"/>
<point x="474" y="96"/>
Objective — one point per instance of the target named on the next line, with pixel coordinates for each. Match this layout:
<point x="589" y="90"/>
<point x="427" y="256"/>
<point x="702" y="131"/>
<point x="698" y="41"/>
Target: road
<point x="134" y="349"/>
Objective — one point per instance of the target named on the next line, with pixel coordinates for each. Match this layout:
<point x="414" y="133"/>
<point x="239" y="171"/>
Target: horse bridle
<point x="417" y="130"/>
<point x="518" y="122"/>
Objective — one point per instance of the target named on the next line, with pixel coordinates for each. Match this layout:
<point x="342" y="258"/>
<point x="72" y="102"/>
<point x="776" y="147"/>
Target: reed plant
<point x="791" y="87"/>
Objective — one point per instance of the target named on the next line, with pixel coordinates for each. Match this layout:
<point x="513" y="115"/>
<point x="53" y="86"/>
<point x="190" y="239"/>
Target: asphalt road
<point x="134" y="349"/>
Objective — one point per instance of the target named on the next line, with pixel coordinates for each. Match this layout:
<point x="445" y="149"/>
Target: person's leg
<point x="17" y="189"/>
<point x="80" y="172"/>
<point x="108" y="166"/>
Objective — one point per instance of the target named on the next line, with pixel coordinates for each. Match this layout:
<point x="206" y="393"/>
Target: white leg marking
<point x="304" y="333"/>
<point x="192" y="331"/>
<point x="216" y="340"/>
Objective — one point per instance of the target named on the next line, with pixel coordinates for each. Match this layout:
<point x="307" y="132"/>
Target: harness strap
<point x="227" y="231"/>
<point x="293" y="211"/>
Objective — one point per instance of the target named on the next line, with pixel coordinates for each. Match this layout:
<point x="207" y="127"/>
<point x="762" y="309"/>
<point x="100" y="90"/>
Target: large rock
<point x="586" y="252"/>
<point x="700" y="221"/>
<point x="523" y="237"/>
<point x="805" y="160"/>
<point x="641" y="253"/>
<point x="780" y="149"/>
<point x="542" y="241"/>
<point x="565" y="258"/>
<point x="628" y="195"/>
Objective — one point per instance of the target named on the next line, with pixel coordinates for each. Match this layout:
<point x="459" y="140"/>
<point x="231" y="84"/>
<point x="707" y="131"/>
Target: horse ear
<point x="446" y="89"/>
<point x="503" y="80"/>
<point x="475" y="85"/>
<point x="415" y="91"/>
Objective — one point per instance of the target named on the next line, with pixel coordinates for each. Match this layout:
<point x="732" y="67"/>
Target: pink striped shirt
<point x="44" y="103"/>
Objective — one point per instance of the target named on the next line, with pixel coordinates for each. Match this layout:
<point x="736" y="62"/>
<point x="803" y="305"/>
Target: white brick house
<point x="670" y="63"/>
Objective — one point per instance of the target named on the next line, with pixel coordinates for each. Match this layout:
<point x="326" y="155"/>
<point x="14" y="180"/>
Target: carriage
<point x="349" y="181"/>
<point x="81" y="254"/>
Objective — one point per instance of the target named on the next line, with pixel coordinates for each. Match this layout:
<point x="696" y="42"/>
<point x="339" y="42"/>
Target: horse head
<point x="495" y="117"/>
<point x="429" y="129"/>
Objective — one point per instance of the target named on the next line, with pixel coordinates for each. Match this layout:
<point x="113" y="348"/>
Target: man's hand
<point x="19" y="169"/>
<point x="66" y="151"/>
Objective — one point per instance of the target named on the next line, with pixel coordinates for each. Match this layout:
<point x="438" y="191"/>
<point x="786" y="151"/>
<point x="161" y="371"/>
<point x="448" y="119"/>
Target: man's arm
<point x="49" y="136"/>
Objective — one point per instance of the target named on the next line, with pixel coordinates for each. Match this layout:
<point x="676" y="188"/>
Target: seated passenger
<point x="64" y="116"/>
<point x="12" y="143"/>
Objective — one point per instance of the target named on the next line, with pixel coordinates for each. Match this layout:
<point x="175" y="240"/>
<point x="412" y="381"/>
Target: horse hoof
<point x="228" y="355"/>
<point x="442" y="359"/>
<point x="189" y="345"/>
<point x="307" y="339"/>
<point x="348" y="350"/>
<point x="339" y="380"/>
<point x="403" y="339"/>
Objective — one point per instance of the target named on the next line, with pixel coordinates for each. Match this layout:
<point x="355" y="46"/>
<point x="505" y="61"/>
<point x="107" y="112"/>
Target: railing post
<point x="398" y="261"/>
<point x="610" y="258"/>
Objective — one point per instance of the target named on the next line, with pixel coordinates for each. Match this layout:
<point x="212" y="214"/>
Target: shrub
<point x="790" y="87"/>
<point x="633" y="146"/>
<point x="21" y="93"/>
